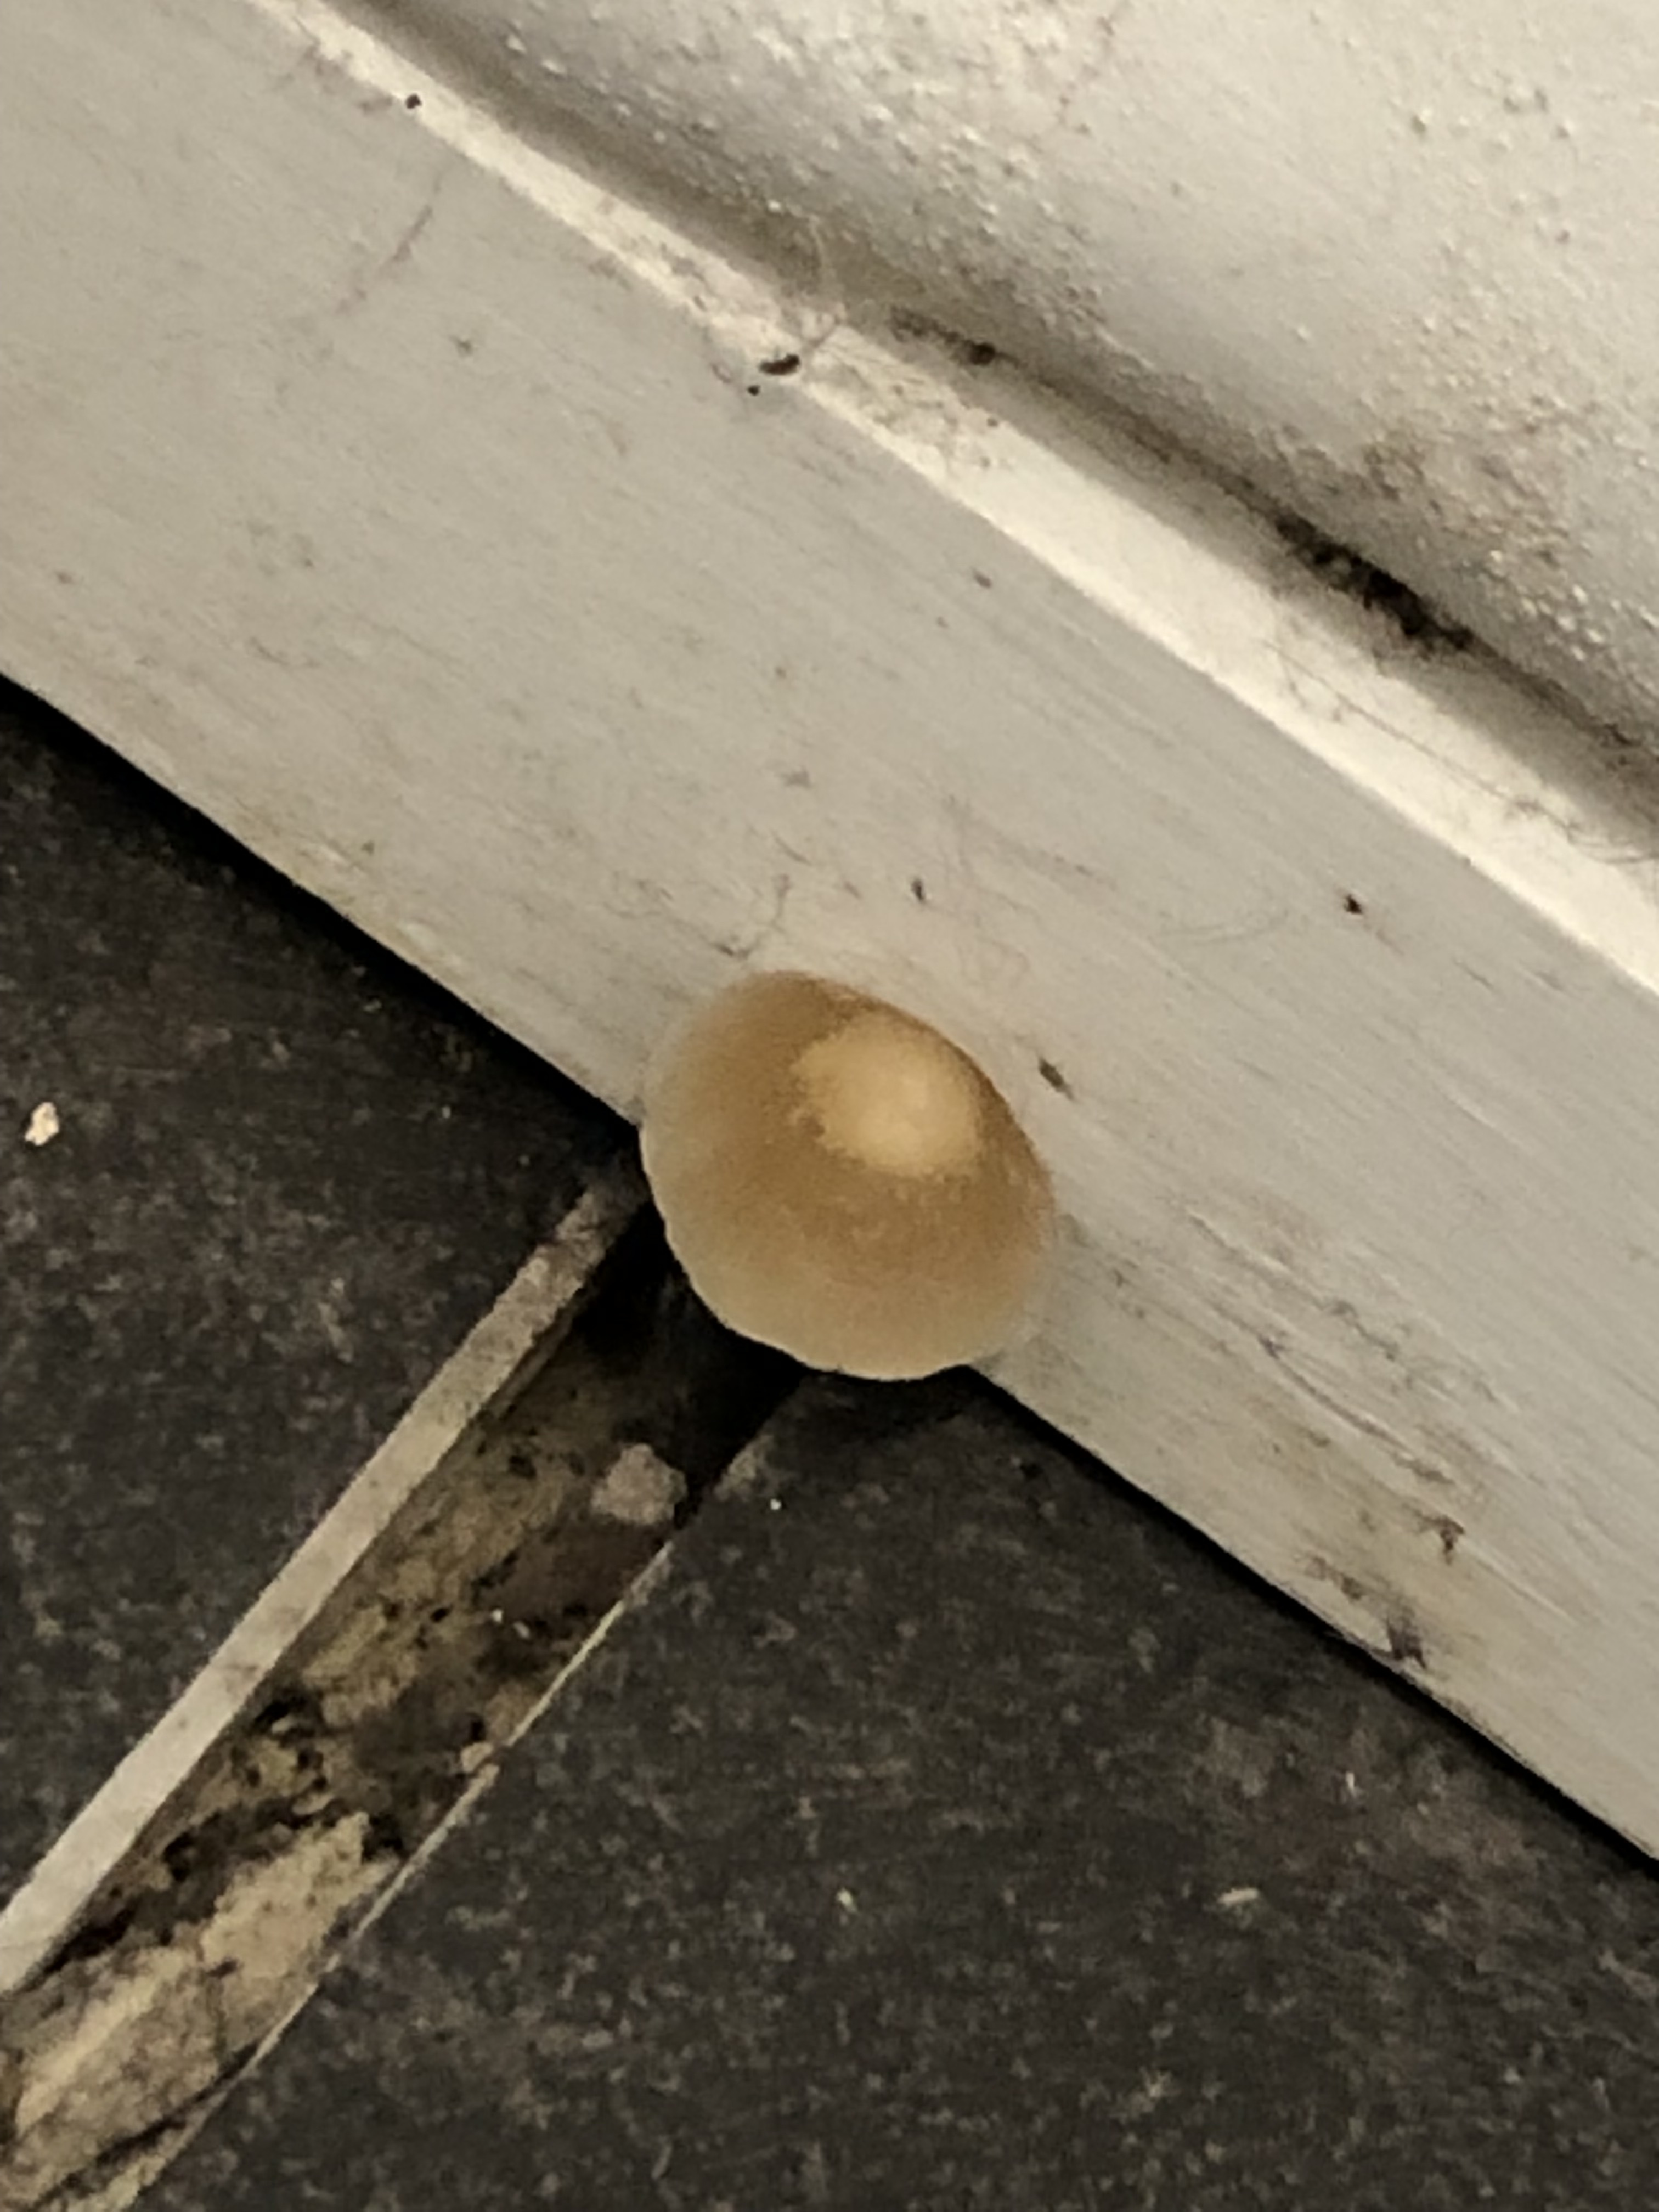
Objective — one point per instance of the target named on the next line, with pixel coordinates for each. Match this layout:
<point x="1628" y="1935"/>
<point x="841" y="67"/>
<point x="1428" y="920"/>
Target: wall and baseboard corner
<point x="593" y="615"/>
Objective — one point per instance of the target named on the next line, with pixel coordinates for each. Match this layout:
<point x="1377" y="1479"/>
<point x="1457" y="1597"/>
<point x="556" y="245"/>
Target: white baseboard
<point x="431" y="518"/>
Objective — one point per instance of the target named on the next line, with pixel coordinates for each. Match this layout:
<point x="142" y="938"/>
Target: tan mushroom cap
<point x="840" y="1181"/>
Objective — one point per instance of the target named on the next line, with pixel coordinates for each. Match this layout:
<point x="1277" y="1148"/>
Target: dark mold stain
<point x="1356" y="577"/>
<point x="1350" y="1585"/>
<point x="1405" y="1646"/>
<point x="967" y="352"/>
<point x="1448" y="1530"/>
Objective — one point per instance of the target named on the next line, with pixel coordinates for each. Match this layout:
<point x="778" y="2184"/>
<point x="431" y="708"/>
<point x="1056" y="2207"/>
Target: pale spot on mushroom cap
<point x="893" y="1096"/>
<point x="840" y="1179"/>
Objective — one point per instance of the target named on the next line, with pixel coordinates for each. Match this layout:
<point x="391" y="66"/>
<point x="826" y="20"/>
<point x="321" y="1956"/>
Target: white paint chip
<point x="45" y="1123"/>
<point x="1235" y="1900"/>
<point x="639" y="1488"/>
<point x="848" y="1902"/>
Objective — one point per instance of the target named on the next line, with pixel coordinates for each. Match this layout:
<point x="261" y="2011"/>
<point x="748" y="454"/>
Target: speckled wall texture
<point x="1397" y="271"/>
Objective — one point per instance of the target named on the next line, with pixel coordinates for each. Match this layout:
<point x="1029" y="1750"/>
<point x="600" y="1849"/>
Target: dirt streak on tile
<point x="500" y="1572"/>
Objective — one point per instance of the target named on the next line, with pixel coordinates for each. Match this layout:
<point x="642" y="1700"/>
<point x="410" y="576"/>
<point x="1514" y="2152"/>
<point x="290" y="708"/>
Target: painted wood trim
<point x="429" y="515"/>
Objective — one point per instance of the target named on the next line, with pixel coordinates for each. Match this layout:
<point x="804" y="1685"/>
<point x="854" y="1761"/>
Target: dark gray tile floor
<point x="288" y="1177"/>
<point x="948" y="1830"/>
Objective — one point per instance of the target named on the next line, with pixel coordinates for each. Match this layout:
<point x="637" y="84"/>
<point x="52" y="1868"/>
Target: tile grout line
<point x="500" y="1352"/>
<point x="387" y="1717"/>
<point x="743" y="1473"/>
<point x="190" y="2124"/>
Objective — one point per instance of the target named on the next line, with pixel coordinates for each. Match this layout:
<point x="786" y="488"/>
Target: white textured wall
<point x="1397" y="265"/>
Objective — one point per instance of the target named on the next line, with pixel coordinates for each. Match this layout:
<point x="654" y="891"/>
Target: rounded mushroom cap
<point x="839" y="1180"/>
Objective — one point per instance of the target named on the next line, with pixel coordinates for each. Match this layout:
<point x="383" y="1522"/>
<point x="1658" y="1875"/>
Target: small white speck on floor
<point x="848" y="1902"/>
<point x="1233" y="1900"/>
<point x="1350" y="1786"/>
<point x="43" y="1124"/>
<point x="775" y="1504"/>
<point x="1153" y="2087"/>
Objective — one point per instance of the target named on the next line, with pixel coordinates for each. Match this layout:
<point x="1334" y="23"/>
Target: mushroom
<point x="840" y="1179"/>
